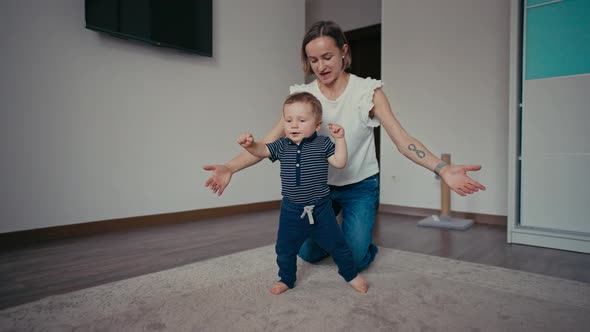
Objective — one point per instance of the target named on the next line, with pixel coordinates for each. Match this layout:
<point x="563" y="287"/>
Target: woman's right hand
<point x="221" y="174"/>
<point x="219" y="179"/>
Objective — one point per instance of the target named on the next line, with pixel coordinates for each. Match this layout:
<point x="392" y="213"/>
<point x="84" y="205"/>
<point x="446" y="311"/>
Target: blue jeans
<point x="358" y="203"/>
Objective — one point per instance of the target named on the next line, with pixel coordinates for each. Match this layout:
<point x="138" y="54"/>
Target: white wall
<point x="349" y="14"/>
<point x="445" y="66"/>
<point x="95" y="128"/>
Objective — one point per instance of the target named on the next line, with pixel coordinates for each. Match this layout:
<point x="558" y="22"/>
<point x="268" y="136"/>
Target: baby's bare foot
<point x="359" y="284"/>
<point x="278" y="288"/>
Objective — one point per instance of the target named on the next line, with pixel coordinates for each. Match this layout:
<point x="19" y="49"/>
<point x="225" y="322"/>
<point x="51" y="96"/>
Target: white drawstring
<point x="309" y="211"/>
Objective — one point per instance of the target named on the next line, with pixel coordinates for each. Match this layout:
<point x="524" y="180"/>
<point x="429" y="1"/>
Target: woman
<point x="358" y="105"/>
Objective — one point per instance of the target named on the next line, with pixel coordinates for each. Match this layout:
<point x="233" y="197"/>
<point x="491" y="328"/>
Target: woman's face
<point x="325" y="58"/>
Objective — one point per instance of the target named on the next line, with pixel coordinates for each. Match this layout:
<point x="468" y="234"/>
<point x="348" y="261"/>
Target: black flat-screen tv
<point x="179" y="24"/>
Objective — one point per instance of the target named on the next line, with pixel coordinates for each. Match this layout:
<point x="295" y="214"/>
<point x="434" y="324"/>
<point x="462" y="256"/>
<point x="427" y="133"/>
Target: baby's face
<point x="299" y="121"/>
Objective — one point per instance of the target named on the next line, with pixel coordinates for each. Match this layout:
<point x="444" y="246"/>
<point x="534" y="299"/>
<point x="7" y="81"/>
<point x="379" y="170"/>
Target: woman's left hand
<point x="455" y="176"/>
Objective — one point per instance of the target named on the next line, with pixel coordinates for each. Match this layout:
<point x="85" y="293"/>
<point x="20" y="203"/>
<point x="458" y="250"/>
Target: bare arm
<point x="340" y="156"/>
<point x="257" y="149"/>
<point x="454" y="175"/>
<point x="245" y="159"/>
<point x="407" y="145"/>
<point x="221" y="173"/>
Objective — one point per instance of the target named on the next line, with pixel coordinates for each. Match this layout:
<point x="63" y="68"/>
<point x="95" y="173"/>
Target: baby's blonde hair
<point x="306" y="98"/>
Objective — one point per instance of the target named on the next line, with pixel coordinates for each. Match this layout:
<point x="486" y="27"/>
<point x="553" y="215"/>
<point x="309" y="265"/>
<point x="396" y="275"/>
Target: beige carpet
<point x="408" y="292"/>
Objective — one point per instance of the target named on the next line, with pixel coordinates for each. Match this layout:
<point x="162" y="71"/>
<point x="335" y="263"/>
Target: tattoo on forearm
<point x="419" y="153"/>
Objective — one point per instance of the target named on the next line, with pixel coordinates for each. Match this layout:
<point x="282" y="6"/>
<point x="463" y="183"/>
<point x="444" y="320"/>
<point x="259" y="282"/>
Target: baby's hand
<point x="245" y="140"/>
<point x="336" y="131"/>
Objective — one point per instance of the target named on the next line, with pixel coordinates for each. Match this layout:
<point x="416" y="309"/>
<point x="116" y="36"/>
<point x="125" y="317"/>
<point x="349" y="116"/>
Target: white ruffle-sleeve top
<point x="351" y="111"/>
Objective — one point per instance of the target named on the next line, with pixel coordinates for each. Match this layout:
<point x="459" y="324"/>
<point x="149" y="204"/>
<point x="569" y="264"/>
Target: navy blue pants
<point x="358" y="203"/>
<point x="294" y="230"/>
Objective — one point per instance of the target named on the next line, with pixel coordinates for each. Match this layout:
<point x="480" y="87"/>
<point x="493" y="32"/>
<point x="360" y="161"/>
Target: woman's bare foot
<point x="279" y="287"/>
<point x="359" y="284"/>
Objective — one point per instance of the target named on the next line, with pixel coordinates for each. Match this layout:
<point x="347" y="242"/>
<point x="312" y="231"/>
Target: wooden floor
<point x="34" y="272"/>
